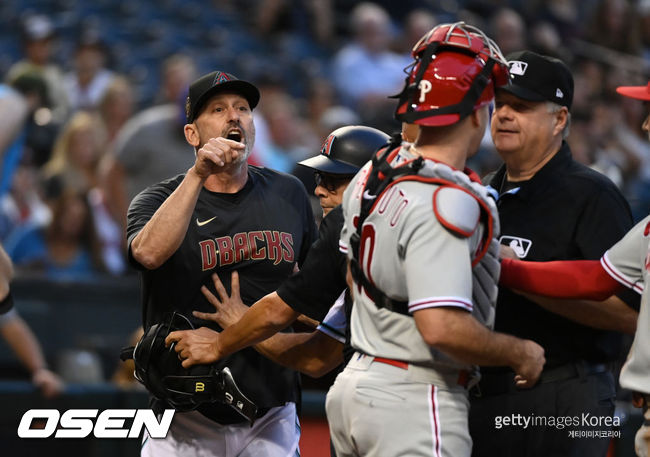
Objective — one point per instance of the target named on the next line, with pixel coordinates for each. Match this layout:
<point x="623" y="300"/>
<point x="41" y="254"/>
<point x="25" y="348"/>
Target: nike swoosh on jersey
<point x="202" y="223"/>
<point x="368" y="196"/>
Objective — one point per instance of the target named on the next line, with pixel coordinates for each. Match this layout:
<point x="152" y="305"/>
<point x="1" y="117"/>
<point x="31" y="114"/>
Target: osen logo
<point x="79" y="423"/>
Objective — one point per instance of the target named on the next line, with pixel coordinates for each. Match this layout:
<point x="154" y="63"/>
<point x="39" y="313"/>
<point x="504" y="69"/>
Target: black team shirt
<point x="314" y="289"/>
<point x="260" y="231"/>
<point x="565" y="212"/>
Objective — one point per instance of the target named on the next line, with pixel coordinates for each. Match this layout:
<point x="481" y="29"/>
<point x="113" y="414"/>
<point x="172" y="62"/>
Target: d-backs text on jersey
<point x="257" y="245"/>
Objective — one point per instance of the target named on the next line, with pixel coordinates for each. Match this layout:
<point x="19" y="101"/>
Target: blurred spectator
<point x="76" y="156"/>
<point x="177" y="72"/>
<point x="644" y="21"/>
<point x="19" y="336"/>
<point x="86" y="84"/>
<point x="13" y="112"/>
<point x="25" y="345"/>
<point x="75" y="167"/>
<point x="308" y="18"/>
<point x="40" y="128"/>
<point x="67" y="249"/>
<point x="589" y="79"/>
<point x="80" y="366"/>
<point x="416" y="24"/>
<point x="116" y="107"/>
<point x="149" y="148"/>
<point x="291" y="139"/>
<point x="508" y="31"/>
<point x="38" y="43"/>
<point x="321" y="96"/>
<point x="23" y="205"/>
<point x="335" y="117"/>
<point x="634" y="143"/>
<point x="365" y="70"/>
<point x="612" y="25"/>
<point x="545" y="39"/>
<point x="563" y="15"/>
<point x="585" y="149"/>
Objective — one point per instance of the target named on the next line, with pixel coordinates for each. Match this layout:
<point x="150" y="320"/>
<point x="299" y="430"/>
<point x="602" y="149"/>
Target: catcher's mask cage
<point x="456" y="70"/>
<point x="160" y="370"/>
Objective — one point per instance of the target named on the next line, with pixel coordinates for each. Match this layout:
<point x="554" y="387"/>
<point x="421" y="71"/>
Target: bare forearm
<point x="313" y="354"/>
<point x="610" y="314"/>
<point x="6" y="266"/>
<point x="458" y="334"/>
<point x="164" y="233"/>
<point x="265" y="318"/>
<point x="24" y="344"/>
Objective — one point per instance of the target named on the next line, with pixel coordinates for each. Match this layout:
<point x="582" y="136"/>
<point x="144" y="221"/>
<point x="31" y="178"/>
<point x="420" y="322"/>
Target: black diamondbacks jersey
<point x="260" y="231"/>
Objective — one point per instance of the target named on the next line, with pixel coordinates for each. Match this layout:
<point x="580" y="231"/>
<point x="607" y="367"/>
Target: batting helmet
<point x="456" y="70"/>
<point x="160" y="370"/>
<point x="346" y="150"/>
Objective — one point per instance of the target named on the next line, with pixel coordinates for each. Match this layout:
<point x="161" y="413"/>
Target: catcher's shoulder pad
<point x="456" y="209"/>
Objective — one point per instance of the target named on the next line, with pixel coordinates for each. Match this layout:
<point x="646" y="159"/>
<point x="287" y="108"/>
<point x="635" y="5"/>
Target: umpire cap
<point x="538" y="78"/>
<point x="346" y="150"/>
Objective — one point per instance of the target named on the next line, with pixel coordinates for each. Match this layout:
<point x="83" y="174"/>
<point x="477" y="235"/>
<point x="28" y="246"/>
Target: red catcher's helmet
<point x="456" y="70"/>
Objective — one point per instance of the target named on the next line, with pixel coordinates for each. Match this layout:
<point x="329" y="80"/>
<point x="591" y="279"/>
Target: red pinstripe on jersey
<point x="434" y="419"/>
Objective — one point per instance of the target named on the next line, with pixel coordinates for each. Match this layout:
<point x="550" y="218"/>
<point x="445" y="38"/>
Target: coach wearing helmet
<point x="319" y="288"/>
<point x="551" y="208"/>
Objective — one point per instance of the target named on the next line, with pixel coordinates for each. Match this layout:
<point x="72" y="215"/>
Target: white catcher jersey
<point x="628" y="261"/>
<point x="410" y="256"/>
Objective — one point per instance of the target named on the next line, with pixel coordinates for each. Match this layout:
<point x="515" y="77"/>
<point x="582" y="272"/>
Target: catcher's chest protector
<point x="461" y="206"/>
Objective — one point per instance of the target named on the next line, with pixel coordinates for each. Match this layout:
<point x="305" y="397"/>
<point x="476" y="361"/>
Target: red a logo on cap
<point x="327" y="146"/>
<point x="219" y="78"/>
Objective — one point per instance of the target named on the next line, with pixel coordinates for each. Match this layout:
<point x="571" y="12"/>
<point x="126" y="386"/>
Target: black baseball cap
<point x="539" y="78"/>
<point x="218" y="81"/>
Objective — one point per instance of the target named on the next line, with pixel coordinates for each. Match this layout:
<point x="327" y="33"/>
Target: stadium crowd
<point x="101" y="89"/>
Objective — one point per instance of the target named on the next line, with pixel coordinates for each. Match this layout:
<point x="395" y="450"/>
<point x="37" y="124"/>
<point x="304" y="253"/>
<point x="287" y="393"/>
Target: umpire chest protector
<point x="460" y="204"/>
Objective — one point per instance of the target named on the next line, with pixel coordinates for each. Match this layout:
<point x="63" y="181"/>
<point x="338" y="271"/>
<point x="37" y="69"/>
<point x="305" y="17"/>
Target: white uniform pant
<point x="376" y="409"/>
<point x="276" y="434"/>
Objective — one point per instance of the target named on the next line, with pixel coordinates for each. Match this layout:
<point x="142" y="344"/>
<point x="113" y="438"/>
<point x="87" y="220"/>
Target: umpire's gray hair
<point x="554" y="108"/>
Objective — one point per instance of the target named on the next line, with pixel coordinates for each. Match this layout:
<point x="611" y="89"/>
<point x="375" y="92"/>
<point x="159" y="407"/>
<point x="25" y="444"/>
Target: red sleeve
<point x="585" y="279"/>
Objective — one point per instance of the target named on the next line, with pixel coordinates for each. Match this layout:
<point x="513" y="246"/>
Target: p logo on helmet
<point x="456" y="70"/>
<point x="425" y="88"/>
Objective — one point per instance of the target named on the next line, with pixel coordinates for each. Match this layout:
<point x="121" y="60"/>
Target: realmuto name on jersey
<point x="258" y="245"/>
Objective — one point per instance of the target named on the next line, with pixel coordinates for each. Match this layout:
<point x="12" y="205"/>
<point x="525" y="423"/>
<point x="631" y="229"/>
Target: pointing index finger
<point x="232" y="143"/>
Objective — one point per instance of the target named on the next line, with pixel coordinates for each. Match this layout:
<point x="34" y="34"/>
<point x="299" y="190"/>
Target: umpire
<point x="551" y="208"/>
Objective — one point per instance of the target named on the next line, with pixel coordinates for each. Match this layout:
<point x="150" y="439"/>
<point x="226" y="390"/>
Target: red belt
<point x="393" y="362"/>
<point x="463" y="375"/>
